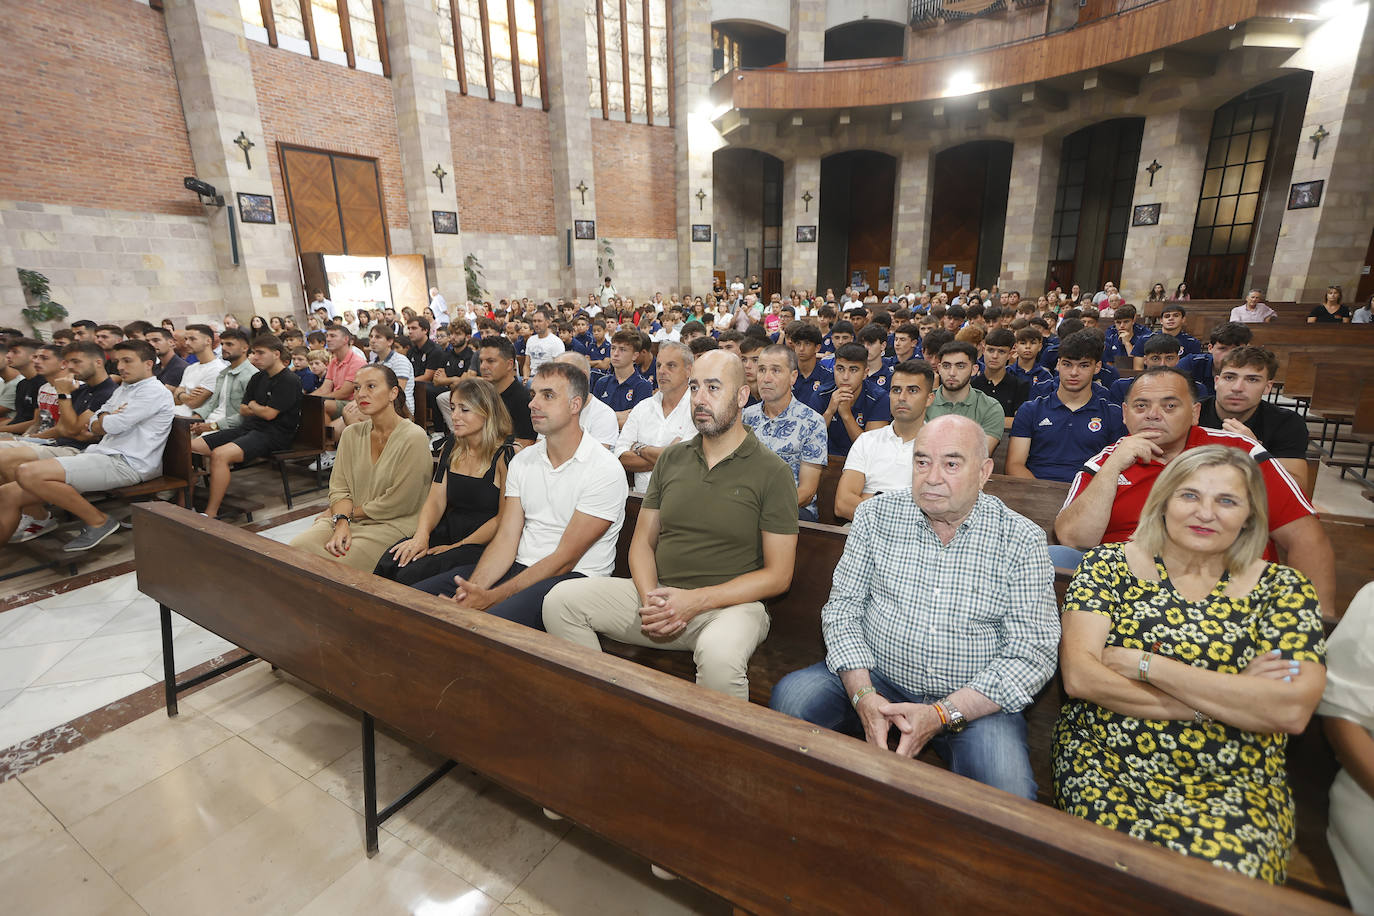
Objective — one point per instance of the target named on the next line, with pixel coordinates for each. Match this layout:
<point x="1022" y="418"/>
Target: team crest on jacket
<point x="1095" y="425"/>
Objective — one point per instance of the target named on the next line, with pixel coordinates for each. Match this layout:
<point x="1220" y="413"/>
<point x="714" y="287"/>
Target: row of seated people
<point x="79" y="428"/>
<point x="1189" y="655"/>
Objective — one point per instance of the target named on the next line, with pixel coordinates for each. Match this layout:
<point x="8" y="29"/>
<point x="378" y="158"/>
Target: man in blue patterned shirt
<point x="941" y="619"/>
<point x="792" y="430"/>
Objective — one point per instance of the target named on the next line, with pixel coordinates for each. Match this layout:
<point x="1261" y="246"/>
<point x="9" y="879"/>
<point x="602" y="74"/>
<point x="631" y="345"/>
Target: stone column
<point x="806" y="37"/>
<point x="417" y="85"/>
<point x="697" y="138"/>
<point x="1159" y="254"/>
<point x="911" y="218"/>
<point x="570" y="139"/>
<point x="1030" y="212"/>
<point x="799" y="259"/>
<point x="1326" y="244"/>
<point x="218" y="98"/>
<point x="12" y="300"/>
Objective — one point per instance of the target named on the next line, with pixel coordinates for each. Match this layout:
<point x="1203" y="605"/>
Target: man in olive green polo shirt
<point x="716" y="535"/>
<point x="958" y="359"/>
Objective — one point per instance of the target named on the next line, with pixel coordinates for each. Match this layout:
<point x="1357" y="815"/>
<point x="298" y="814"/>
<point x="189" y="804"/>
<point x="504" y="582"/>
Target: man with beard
<point x="957" y="396"/>
<point x="717" y="534"/>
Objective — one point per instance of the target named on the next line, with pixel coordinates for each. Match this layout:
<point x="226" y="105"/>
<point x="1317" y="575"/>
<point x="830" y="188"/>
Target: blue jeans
<point x="525" y="606"/>
<point x="991" y="750"/>
<point x="808" y="514"/>
<point x="1066" y="557"/>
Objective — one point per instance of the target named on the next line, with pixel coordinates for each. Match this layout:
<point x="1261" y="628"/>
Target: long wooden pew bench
<point x="769" y="812"/>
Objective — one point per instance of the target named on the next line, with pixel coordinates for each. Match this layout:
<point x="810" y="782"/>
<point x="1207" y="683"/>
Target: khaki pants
<point x="721" y="641"/>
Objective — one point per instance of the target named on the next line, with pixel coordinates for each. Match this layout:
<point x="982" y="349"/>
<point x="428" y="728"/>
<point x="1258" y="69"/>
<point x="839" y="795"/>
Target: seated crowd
<point x="1188" y="652"/>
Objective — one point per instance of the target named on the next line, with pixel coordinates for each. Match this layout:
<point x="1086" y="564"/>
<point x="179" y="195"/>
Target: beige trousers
<point x="721" y="641"/>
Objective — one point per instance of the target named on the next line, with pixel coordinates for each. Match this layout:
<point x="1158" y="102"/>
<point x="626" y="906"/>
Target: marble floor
<point x="249" y="802"/>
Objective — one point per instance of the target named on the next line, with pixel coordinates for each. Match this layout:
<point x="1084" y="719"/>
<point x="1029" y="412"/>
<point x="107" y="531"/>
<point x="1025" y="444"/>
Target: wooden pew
<point x="769" y="812"/>
<point x="308" y="445"/>
<point x="177" y="471"/>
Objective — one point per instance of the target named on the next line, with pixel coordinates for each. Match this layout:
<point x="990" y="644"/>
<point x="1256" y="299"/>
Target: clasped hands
<point x="666" y="611"/>
<point x="917" y="722"/>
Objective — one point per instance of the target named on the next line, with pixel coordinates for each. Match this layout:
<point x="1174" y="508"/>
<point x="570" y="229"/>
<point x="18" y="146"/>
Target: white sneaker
<point x="29" y="529"/>
<point x="662" y="873"/>
<point x="324" y="462"/>
<point x="552" y="815"/>
<point x="24" y="522"/>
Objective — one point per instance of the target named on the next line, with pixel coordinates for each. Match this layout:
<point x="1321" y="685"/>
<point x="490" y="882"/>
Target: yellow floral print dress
<point x="1211" y="791"/>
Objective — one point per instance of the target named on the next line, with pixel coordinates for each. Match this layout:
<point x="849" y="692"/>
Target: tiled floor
<point x="249" y="802"/>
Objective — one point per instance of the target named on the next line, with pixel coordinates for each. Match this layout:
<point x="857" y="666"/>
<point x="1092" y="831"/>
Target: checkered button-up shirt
<point x="931" y="618"/>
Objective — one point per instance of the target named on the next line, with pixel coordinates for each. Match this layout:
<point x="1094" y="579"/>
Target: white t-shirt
<point x="647" y="424"/>
<point x="200" y="375"/>
<point x="883" y="459"/>
<point x="737" y="287"/>
<point x="541" y="350"/>
<point x="591" y="482"/>
<point x="324" y="304"/>
<point x="674" y="334"/>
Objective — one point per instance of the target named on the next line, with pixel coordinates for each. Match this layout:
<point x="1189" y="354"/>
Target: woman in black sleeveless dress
<point x="463" y="509"/>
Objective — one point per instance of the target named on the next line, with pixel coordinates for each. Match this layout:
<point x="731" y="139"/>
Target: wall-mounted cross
<point x="440" y="174"/>
<point x="806" y="196"/>
<point x="701" y="199"/>
<point x="243" y="143"/>
<point x="1153" y="167"/>
<point x="582" y="186"/>
<point x="1320" y="134"/>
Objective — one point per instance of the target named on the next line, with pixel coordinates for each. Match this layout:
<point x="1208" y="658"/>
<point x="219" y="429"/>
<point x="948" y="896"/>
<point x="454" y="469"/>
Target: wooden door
<point x="409" y="282"/>
<point x="312" y="201"/>
<point x="360" y="207"/>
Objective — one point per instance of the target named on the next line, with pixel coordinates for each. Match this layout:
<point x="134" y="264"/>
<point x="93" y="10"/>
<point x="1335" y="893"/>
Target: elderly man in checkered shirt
<point x="941" y="620"/>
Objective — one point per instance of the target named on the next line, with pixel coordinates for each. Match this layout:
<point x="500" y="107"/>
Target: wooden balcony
<point x="1099" y="45"/>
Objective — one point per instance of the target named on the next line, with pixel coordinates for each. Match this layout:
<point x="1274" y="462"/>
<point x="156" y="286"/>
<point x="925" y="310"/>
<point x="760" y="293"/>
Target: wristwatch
<point x="61" y="396"/>
<point x="955" y="721"/>
<point x="341" y="516"/>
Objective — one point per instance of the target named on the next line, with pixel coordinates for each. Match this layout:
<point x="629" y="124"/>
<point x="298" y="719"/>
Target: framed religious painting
<point x="256" y="208"/>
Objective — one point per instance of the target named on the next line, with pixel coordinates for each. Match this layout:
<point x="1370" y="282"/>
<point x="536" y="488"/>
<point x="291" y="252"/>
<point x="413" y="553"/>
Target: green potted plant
<point x="41" y="310"/>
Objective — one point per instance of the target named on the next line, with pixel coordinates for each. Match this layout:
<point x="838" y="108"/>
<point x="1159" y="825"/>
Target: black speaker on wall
<point x="717" y="58"/>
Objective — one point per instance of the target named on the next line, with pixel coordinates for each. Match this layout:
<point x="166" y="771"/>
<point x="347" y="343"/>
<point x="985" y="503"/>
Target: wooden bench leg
<point x="285" y="484"/>
<point x="372" y="818"/>
<point x="169" y="667"/>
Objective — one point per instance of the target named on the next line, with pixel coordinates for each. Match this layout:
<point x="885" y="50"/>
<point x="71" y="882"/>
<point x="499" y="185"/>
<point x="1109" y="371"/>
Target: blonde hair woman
<point x="1189" y="660"/>
<point x="463" y="508"/>
<point x="377" y="486"/>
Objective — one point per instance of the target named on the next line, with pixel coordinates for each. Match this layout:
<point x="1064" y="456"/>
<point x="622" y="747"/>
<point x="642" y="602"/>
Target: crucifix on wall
<point x="806" y="196"/>
<point x="243" y="143"/>
<point x="582" y="186"/>
<point x="1153" y="167"/>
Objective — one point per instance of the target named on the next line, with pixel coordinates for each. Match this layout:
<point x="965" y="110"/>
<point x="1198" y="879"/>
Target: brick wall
<point x="502" y="167"/>
<point x="635" y="180"/>
<point x="306" y="102"/>
<point x="91" y="113"/>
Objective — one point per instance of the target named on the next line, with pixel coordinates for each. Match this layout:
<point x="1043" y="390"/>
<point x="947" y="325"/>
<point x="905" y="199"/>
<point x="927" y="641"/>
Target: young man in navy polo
<point x="623" y="387"/>
<point x="1054" y="434"/>
<point x="598" y="350"/>
<point x="1160" y="350"/>
<point x="1027" y="364"/>
<point x="874" y="338"/>
<point x="814" y="381"/>
<point x="856" y="405"/>
<point x="1171" y="322"/>
<point x="842" y="333"/>
<point x="1124" y="337"/>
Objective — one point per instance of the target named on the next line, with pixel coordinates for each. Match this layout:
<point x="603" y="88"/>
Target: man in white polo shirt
<point x="133" y="424"/>
<point x="565" y="504"/>
<point x="658" y="422"/>
<point x="880" y="460"/>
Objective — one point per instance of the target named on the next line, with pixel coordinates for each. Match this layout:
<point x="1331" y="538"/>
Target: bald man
<point x="941" y="620"/>
<point x="717" y="534"/>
